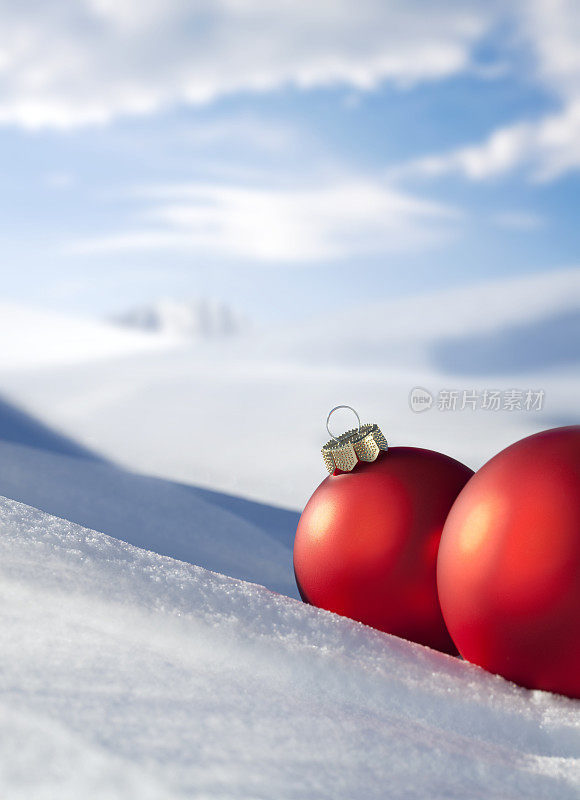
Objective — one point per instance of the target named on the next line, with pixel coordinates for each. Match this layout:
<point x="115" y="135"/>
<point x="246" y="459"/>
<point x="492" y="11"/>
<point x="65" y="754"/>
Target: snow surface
<point x="130" y="675"/>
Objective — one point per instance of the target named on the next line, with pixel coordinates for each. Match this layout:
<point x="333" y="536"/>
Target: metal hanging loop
<point x="331" y="412"/>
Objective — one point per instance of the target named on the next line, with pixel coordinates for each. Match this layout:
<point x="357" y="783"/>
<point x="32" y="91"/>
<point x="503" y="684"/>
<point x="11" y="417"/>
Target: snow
<point x="402" y="332"/>
<point x="31" y="338"/>
<point x="127" y="674"/>
<point x="246" y="416"/>
<point x="196" y="319"/>
<point x="242" y="539"/>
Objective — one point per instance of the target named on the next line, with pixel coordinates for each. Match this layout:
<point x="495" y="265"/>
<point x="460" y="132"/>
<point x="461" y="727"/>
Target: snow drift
<point x="130" y="675"/>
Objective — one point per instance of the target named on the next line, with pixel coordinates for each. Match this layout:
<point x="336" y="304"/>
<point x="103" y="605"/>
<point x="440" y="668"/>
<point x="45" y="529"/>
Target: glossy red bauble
<point x="366" y="544"/>
<point x="509" y="564"/>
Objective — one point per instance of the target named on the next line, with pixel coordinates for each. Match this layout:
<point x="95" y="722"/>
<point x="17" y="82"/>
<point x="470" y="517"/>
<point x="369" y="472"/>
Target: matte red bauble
<point x="366" y="544"/>
<point x="509" y="564"/>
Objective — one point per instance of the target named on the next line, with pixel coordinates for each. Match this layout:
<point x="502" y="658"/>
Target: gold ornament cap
<point x="364" y="443"/>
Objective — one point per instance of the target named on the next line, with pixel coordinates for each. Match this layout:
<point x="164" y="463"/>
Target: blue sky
<point x="282" y="157"/>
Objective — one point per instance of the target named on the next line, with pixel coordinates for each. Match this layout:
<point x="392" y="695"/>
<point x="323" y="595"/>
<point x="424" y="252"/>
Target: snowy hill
<point x="226" y="534"/>
<point x="128" y="675"/>
<point x="549" y="342"/>
<point x="245" y="415"/>
<point x="33" y="338"/>
<point x="515" y="325"/>
<point x="197" y="319"/>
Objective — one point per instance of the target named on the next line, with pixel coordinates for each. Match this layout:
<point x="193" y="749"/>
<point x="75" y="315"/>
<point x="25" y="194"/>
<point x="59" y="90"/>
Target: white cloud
<point x="547" y="147"/>
<point x="69" y="62"/>
<point x="552" y="27"/>
<point x="348" y="218"/>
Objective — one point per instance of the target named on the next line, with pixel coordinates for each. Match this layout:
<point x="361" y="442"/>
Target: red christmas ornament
<point x="366" y="544"/>
<point x="509" y="564"/>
